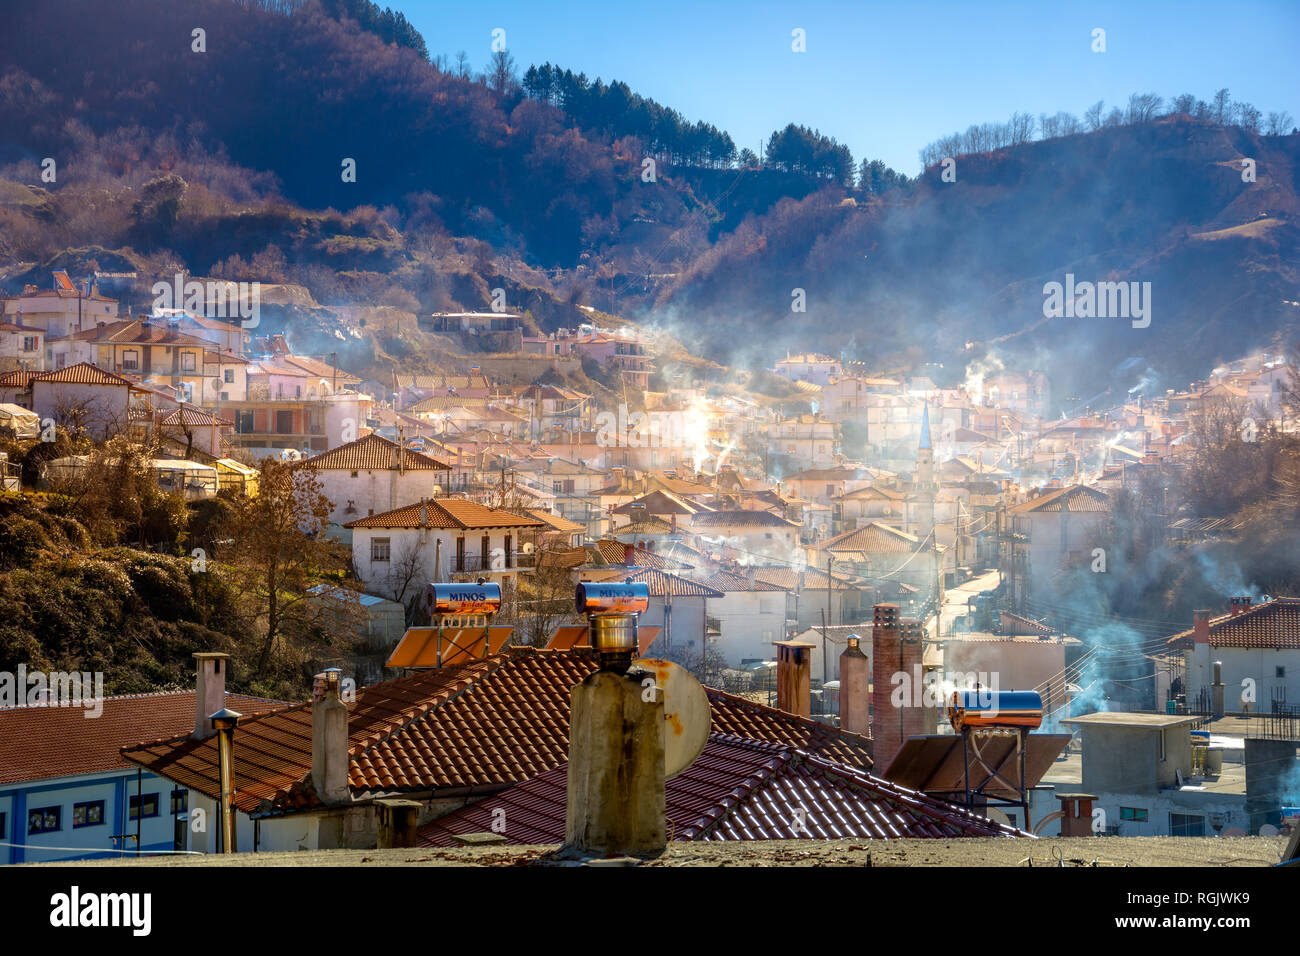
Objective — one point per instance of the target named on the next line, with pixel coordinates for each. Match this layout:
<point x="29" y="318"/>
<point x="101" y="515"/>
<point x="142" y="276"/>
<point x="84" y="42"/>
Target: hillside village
<point x="798" y="554"/>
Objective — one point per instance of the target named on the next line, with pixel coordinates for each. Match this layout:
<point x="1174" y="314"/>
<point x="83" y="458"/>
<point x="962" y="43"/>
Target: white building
<point x="436" y="539"/>
<point x="372" y="475"/>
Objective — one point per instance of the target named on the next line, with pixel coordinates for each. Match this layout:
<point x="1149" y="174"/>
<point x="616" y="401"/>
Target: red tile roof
<point x="83" y="373"/>
<point x="739" y="789"/>
<point x="1271" y="625"/>
<point x="661" y="583"/>
<point x="482" y="725"/>
<point x="873" y="538"/>
<point x="741" y="519"/>
<point x="372" y="453"/>
<point x="1077" y="498"/>
<point x="38" y="742"/>
<point x="453" y="513"/>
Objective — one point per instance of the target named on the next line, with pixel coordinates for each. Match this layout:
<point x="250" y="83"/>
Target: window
<point x="557" y="486"/>
<point x="4" y="826"/>
<point x="1135" y="814"/>
<point x="131" y="358"/>
<point x="180" y="801"/>
<point x="485" y="550"/>
<point x="297" y="391"/>
<point x="145" y="805"/>
<point x="29" y="343"/>
<point x="228" y="376"/>
<point x="380" y="549"/>
<point x="510" y="563"/>
<point x="1279" y="671"/>
<point x="187" y="361"/>
<point x="44" y="820"/>
<point x="1185" y="824"/>
<point x="89" y="814"/>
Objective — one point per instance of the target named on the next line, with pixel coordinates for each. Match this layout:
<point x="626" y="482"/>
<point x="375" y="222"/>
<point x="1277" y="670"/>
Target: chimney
<point x="329" y="738"/>
<point x="793" y="670"/>
<point x="1076" y="814"/>
<point x="1216" y="689"/>
<point x="855" y="684"/>
<point x="629" y="554"/>
<point x="896" y="649"/>
<point x="209" y="690"/>
<point x="1200" y="627"/>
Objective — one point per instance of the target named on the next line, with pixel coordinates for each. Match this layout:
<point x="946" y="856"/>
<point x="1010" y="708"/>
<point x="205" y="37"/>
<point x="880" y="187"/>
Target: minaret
<point x="924" y="488"/>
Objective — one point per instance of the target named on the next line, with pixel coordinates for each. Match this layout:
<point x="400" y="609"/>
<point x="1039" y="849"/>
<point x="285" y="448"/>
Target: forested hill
<point x="232" y="156"/>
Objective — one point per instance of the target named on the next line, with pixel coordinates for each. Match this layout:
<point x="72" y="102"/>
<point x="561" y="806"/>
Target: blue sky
<point x="887" y="78"/>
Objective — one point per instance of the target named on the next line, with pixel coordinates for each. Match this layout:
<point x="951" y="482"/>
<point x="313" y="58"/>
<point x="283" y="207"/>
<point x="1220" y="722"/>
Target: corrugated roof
<point x="740" y="789"/>
<point x="485" y="725"/>
<point x="38" y="742"/>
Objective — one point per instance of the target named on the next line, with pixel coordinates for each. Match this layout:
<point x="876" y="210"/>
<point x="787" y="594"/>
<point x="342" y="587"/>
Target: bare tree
<point x="1093" y="115"/>
<point x="501" y="73"/>
<point x="1277" y="123"/>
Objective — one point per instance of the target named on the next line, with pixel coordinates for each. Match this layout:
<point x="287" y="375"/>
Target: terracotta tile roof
<point x="41" y="742"/>
<point x="482" y="725"/>
<point x="873" y="538"/>
<point x="647" y="525"/>
<point x="661" y="583"/>
<point x="191" y="415"/>
<point x="740" y="789"/>
<point x="453" y="513"/>
<point x="728" y="581"/>
<point x="789" y="579"/>
<point x="1076" y="498"/>
<point x="137" y="332"/>
<point x="1273" y="624"/>
<point x="615" y="552"/>
<point x="83" y="373"/>
<point x="318" y="368"/>
<point x="741" y="518"/>
<point x="17" y="378"/>
<point x="372" y="453"/>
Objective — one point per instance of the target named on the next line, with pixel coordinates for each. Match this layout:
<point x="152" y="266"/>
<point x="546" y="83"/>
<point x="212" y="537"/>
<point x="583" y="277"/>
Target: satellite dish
<point x="997" y="816"/>
<point x="686" y="712"/>
<point x="1268" y="830"/>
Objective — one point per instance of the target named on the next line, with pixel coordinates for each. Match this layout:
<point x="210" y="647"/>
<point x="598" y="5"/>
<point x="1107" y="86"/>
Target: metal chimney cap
<point x="225" y="719"/>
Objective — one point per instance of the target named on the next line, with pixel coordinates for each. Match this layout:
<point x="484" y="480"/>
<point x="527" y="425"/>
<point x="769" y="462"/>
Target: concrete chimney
<point x="793" y="671"/>
<point x="1200" y="627"/>
<point x="329" y="739"/>
<point x="855" y="689"/>
<point x="1216" y="689"/>
<point x="209" y="690"/>
<point x="615" y="796"/>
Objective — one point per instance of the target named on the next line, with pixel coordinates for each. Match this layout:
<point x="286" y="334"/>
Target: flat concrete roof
<point x="1120" y="718"/>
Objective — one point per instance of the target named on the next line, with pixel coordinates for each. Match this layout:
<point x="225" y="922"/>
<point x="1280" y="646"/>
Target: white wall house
<point x="372" y="475"/>
<point x="436" y="540"/>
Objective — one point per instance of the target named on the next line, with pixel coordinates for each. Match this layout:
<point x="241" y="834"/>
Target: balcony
<point x="468" y="563"/>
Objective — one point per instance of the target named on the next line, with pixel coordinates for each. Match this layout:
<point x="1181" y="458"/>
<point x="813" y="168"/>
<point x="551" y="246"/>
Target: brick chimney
<point x="329" y="738"/>
<point x="855" y="689"/>
<point x="1200" y="627"/>
<point x="793" y="671"/>
<point x="896" y="649"/>
<point x="209" y="690"/>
